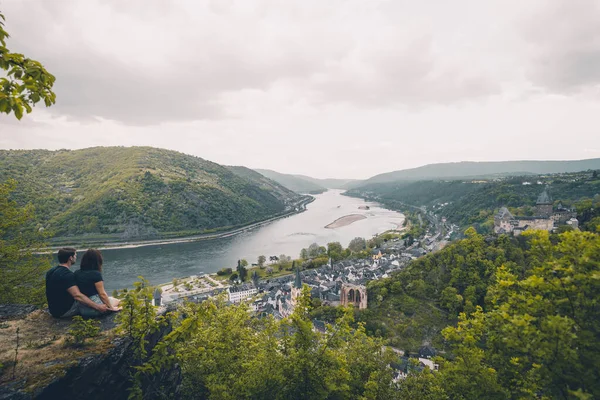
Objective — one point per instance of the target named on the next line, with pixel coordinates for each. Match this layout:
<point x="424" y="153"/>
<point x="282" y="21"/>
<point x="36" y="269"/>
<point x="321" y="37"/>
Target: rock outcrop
<point x="104" y="372"/>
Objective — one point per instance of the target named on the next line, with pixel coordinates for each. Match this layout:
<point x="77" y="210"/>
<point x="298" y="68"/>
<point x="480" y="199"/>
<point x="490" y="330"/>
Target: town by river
<point x="162" y="263"/>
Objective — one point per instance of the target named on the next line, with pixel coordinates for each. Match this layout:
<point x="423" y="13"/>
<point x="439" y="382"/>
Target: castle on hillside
<point x="546" y="217"/>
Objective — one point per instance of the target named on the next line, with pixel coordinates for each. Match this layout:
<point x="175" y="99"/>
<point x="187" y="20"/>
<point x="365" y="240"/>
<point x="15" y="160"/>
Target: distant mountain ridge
<point x="138" y="192"/>
<point x="305" y="184"/>
<point x="466" y="169"/>
<point x="330" y="183"/>
<point x="293" y="182"/>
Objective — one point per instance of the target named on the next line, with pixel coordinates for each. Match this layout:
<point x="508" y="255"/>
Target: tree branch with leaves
<point x="27" y="82"/>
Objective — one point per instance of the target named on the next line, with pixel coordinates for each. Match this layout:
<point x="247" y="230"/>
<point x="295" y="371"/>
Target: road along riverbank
<point x="300" y="207"/>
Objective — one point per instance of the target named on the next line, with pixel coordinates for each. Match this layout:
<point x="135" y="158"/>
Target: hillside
<point x="276" y="189"/>
<point x="483" y="169"/>
<point x="330" y="183"/>
<point x="517" y="292"/>
<point x="474" y="202"/>
<point x="135" y="193"/>
<point x="293" y="182"/>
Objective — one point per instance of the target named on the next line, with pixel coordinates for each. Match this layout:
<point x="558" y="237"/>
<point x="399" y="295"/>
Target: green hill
<point x="117" y="193"/>
<point x="293" y="182"/>
<point x="483" y="169"/>
<point x="475" y="202"/>
<point x="279" y="191"/>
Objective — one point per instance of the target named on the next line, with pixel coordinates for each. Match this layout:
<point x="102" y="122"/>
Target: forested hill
<point x="293" y="182"/>
<point x="276" y="189"/>
<point x="135" y="192"/>
<point x="483" y="169"/>
<point x="520" y="315"/>
<point x="475" y="202"/>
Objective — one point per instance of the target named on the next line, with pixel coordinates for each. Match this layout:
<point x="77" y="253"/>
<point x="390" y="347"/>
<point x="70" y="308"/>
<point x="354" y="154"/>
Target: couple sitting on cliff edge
<point x="81" y="292"/>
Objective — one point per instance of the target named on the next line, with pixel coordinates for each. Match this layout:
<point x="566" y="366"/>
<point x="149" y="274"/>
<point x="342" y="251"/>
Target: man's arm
<point x="83" y="299"/>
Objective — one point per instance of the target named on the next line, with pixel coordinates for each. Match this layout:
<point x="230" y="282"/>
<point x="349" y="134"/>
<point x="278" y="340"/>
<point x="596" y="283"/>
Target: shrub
<point x="224" y="271"/>
<point x="83" y="329"/>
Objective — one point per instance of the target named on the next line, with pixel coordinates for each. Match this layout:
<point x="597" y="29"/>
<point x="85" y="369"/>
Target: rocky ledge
<point x="48" y="367"/>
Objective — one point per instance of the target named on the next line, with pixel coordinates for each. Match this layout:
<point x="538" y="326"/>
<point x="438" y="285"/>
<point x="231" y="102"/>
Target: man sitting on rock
<point x="62" y="292"/>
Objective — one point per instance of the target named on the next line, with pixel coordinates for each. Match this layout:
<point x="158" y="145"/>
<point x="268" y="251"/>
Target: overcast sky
<point x="336" y="88"/>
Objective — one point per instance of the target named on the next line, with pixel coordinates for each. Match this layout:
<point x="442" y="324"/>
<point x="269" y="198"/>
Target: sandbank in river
<point x="345" y="220"/>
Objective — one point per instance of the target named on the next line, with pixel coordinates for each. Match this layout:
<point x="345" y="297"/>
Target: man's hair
<point x="91" y="260"/>
<point x="65" y="253"/>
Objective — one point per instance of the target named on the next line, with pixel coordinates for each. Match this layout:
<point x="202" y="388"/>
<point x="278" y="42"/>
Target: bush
<point x="224" y="271"/>
<point x="83" y="329"/>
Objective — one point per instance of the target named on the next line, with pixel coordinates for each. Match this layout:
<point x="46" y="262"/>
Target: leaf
<point x="18" y="110"/>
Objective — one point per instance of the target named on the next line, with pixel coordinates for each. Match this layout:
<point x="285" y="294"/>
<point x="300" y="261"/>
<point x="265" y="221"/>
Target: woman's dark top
<point x="86" y="280"/>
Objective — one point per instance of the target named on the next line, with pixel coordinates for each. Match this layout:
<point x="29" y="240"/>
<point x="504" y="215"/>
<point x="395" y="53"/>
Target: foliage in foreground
<point x="225" y="353"/>
<point x="21" y="270"/>
<point x="527" y="313"/>
<point x="26" y="83"/>
<point x="531" y="334"/>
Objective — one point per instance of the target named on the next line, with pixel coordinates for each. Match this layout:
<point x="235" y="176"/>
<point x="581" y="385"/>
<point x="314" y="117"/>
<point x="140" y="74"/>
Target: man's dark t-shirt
<point x="86" y="280"/>
<point x="58" y="280"/>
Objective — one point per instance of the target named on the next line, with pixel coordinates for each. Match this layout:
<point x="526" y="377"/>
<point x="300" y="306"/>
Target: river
<point x="162" y="263"/>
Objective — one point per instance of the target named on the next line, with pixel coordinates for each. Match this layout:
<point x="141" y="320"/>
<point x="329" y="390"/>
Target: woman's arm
<point x="82" y="298"/>
<point x="103" y="296"/>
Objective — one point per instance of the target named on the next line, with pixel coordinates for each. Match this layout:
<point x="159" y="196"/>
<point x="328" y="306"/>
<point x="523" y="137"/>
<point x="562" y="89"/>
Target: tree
<point x="21" y="270"/>
<point x="357" y="244"/>
<point x="224" y="271"/>
<point x="26" y="83"/>
<point x="534" y="326"/>
<point x="255" y="278"/>
<point x="335" y="250"/>
<point x="242" y="272"/>
<point x="304" y="254"/>
<point x="234" y="277"/>
<point x="269" y="270"/>
<point x="451" y="300"/>
<point x="564" y="228"/>
<point x="261" y="261"/>
<point x="314" y="250"/>
<point x="421" y="385"/>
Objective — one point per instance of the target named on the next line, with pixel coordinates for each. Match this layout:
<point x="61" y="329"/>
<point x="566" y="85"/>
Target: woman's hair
<point x="91" y="260"/>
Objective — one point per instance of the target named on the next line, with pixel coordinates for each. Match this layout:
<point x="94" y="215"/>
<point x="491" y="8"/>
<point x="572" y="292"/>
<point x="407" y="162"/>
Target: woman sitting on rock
<point x="90" y="282"/>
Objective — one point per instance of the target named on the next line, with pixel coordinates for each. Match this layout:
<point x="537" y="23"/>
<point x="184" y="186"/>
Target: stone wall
<point x="546" y="224"/>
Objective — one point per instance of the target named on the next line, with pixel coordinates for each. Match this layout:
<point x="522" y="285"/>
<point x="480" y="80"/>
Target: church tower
<point x="543" y="205"/>
<point x="296" y="287"/>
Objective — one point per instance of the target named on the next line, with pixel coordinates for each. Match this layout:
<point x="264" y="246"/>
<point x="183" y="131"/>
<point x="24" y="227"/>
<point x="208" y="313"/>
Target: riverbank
<point x="299" y="208"/>
<point x="161" y="263"/>
<point x="345" y="220"/>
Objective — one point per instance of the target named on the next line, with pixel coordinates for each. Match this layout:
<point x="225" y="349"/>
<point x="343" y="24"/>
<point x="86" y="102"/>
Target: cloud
<point x="149" y="62"/>
<point x="564" y="39"/>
